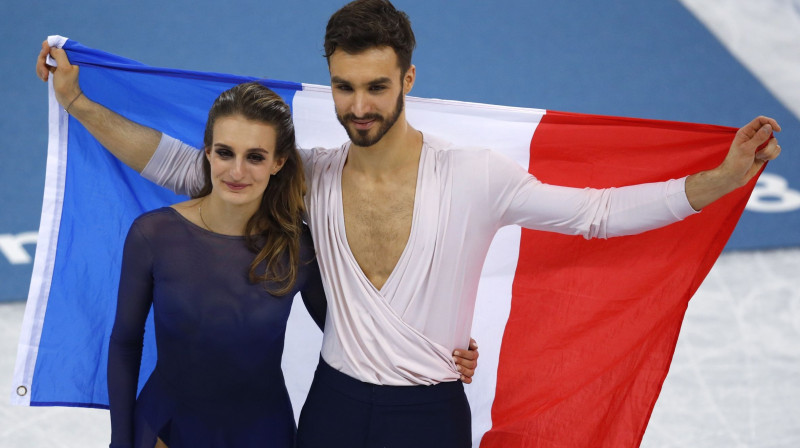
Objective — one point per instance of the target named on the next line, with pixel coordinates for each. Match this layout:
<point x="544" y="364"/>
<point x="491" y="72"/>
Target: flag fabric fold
<point x="576" y="336"/>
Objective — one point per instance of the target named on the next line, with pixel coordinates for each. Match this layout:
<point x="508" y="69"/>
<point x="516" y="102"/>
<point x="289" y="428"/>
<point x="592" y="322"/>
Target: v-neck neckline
<point x="342" y="230"/>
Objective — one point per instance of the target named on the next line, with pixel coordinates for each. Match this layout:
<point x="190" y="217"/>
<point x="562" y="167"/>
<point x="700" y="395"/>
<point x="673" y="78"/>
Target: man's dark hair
<point x="364" y="24"/>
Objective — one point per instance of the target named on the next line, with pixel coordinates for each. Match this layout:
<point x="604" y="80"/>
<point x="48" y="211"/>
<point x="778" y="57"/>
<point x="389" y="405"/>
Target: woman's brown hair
<point x="273" y="232"/>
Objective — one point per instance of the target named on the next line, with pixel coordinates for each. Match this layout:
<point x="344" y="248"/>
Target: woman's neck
<point x="223" y="217"/>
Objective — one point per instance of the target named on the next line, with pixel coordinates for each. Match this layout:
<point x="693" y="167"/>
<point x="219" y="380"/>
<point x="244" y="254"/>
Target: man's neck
<point x="398" y="149"/>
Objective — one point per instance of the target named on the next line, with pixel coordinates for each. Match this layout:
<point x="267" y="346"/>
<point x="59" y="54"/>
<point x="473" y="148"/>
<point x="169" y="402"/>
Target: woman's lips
<point x="234" y="186"/>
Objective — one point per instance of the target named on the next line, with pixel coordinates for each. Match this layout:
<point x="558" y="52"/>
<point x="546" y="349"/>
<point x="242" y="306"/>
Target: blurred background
<point x="733" y="379"/>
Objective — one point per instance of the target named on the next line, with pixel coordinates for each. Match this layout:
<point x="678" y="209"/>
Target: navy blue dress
<point x="218" y="380"/>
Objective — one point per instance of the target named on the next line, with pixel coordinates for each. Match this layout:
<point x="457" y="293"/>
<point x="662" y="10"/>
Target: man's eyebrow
<point x="381" y="80"/>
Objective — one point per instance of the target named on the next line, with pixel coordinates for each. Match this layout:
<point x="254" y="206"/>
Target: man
<point x="402" y="223"/>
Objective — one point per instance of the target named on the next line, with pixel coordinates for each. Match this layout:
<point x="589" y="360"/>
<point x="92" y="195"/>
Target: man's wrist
<point x="705" y="187"/>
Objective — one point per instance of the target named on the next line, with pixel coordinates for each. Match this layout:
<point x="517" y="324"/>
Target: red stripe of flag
<point x="593" y="324"/>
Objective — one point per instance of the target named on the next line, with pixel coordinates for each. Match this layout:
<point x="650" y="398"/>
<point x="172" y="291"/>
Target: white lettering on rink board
<point x="773" y="195"/>
<point x="12" y="246"/>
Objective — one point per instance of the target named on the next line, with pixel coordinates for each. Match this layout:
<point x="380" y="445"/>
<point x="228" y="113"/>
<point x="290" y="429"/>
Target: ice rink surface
<point x="734" y="380"/>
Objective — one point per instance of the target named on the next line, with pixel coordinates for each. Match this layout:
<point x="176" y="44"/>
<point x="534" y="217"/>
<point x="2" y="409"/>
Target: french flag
<point x="576" y="336"/>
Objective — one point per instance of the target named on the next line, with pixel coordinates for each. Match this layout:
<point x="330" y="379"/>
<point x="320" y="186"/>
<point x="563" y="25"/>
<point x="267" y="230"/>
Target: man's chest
<point x="378" y="222"/>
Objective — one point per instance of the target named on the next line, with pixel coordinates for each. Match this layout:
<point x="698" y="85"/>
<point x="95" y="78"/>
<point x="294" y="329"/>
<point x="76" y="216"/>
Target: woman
<point x="220" y="271"/>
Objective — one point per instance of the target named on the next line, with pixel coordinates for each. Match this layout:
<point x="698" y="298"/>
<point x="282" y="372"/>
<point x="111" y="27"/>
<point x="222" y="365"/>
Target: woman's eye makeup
<point x="223" y="153"/>
<point x="255" y="156"/>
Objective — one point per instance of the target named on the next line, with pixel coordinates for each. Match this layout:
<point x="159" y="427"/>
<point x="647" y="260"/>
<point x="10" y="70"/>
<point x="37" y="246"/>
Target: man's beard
<point x="361" y="137"/>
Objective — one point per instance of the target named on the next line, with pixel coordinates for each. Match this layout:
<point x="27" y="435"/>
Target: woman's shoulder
<point x="156" y="221"/>
<point x="169" y="213"/>
<point x="161" y="213"/>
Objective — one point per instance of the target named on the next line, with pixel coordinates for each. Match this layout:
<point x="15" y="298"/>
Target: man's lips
<point x="365" y="122"/>
<point x="362" y="123"/>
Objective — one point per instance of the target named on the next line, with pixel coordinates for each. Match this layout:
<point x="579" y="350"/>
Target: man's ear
<point x="409" y="78"/>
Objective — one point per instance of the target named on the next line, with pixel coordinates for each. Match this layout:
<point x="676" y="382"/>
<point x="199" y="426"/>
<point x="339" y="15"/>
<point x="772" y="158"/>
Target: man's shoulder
<point x="319" y="152"/>
<point x="471" y="165"/>
<point x="320" y="160"/>
<point x="447" y="150"/>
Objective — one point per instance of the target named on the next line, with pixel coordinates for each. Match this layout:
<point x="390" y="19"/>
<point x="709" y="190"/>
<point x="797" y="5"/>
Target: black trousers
<point x="342" y="412"/>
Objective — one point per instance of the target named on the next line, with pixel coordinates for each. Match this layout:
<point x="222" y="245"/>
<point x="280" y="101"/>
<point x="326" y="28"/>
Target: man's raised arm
<point x="602" y="213"/>
<point x="130" y="142"/>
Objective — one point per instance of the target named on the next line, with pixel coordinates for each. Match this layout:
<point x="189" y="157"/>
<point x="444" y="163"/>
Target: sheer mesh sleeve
<point x="314" y="295"/>
<point x="125" y="347"/>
